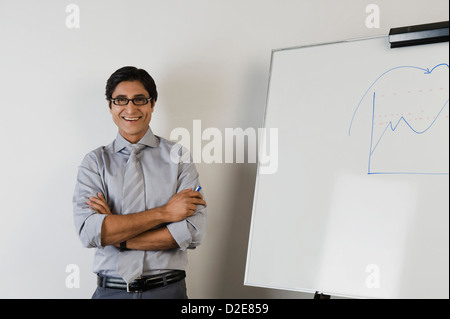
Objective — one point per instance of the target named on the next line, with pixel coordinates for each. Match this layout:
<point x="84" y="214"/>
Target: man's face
<point x="132" y="120"/>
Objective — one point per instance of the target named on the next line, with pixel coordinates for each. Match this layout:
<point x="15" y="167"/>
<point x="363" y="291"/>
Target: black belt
<point x="144" y="283"/>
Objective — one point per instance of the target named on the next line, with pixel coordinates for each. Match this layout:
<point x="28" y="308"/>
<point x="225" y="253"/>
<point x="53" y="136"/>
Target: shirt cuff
<point x="180" y="233"/>
<point x="92" y="230"/>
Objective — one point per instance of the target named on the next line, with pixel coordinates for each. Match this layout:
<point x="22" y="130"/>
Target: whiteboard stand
<point x="319" y="295"/>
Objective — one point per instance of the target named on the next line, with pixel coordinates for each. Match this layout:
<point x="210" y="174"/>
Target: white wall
<point x="210" y="60"/>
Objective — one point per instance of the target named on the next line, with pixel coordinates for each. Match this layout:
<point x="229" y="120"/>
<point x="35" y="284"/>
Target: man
<point x="134" y="201"/>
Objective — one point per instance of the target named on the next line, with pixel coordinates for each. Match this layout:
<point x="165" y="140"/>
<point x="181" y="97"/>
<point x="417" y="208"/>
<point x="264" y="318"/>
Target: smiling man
<point x="134" y="204"/>
<point x="133" y="122"/>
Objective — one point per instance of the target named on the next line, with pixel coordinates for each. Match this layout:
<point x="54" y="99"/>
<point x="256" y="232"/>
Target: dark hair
<point x="131" y="73"/>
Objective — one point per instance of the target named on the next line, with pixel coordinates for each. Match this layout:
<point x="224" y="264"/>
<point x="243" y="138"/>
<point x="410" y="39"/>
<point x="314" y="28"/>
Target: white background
<point x="210" y="60"/>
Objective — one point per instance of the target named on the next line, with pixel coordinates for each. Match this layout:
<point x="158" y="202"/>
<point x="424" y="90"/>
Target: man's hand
<point x="182" y="205"/>
<point x="99" y="204"/>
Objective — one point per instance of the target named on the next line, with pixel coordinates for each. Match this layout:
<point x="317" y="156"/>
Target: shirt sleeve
<point x="190" y="232"/>
<point x="88" y="223"/>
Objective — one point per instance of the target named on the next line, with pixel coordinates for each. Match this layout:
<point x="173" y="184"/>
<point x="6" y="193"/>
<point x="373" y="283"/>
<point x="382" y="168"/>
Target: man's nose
<point x="130" y="106"/>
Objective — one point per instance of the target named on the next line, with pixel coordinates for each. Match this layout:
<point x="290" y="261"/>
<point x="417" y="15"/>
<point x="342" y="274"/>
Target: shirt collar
<point x="149" y="139"/>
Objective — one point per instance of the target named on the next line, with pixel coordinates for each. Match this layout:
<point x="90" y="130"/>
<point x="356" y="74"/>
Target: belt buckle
<point x="138" y="280"/>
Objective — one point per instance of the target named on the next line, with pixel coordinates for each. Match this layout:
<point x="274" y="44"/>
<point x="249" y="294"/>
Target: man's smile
<point x="131" y="119"/>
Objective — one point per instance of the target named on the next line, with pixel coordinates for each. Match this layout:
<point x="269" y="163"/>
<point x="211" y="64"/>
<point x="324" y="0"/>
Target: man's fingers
<point x="201" y="202"/>
<point x="99" y="201"/>
<point x="94" y="206"/>
<point x="98" y="205"/>
<point x="195" y="194"/>
<point x="197" y="201"/>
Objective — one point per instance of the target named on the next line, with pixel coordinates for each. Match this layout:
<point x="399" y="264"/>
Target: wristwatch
<point x="123" y="246"/>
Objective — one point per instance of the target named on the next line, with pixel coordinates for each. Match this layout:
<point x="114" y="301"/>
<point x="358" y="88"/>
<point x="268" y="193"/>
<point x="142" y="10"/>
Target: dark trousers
<point x="173" y="291"/>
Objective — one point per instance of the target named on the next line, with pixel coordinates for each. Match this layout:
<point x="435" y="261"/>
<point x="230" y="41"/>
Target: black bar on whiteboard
<point x="419" y="34"/>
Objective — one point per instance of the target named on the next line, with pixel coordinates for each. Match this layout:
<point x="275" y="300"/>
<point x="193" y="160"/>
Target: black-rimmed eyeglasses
<point x="122" y="101"/>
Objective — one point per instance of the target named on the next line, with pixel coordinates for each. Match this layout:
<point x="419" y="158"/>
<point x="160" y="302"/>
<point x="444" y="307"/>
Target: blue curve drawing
<point x="393" y="127"/>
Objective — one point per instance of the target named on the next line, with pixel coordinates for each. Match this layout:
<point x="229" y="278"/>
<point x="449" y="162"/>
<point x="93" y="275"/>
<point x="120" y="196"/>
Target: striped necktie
<point x="131" y="262"/>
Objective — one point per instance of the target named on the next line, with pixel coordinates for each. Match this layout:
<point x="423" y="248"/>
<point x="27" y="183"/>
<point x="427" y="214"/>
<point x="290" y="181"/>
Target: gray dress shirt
<point x="165" y="174"/>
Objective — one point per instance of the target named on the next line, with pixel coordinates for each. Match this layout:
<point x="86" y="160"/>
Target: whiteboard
<point x="359" y="204"/>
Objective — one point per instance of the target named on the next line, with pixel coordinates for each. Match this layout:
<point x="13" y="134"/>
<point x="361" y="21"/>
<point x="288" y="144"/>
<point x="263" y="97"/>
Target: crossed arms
<point x="138" y="228"/>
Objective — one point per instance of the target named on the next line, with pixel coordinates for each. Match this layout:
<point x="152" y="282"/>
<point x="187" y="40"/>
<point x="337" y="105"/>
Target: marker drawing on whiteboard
<point x="402" y="120"/>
